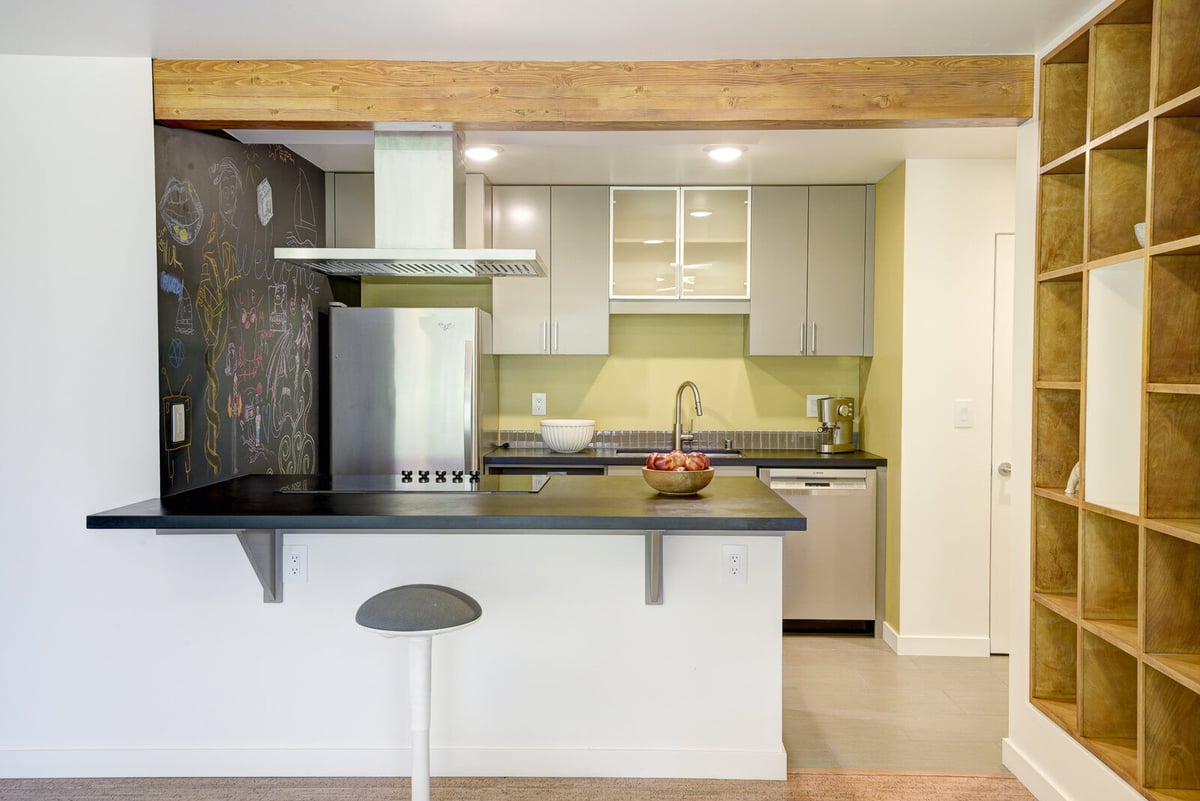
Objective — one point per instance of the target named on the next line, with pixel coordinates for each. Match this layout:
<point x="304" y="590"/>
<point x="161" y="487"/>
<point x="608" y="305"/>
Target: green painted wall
<point x="649" y="356"/>
<point x="880" y="375"/>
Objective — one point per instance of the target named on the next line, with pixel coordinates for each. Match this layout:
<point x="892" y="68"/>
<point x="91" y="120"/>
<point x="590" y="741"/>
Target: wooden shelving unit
<point x="1115" y="595"/>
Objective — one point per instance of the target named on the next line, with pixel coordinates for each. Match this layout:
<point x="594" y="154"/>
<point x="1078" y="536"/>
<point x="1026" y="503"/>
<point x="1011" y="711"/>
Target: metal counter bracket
<point x="654" y="568"/>
<point x="264" y="548"/>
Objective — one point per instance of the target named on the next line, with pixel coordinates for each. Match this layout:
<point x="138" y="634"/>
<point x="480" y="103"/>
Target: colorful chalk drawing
<point x="184" y="448"/>
<point x="232" y="315"/>
<point x="266" y="206"/>
<point x="229" y="190"/>
<point x="182" y="211"/>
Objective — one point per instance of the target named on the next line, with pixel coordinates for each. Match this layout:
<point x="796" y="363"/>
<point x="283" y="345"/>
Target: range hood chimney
<point x="420" y="207"/>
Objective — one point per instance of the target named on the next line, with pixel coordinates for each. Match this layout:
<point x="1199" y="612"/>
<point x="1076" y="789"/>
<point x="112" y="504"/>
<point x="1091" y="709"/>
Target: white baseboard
<point x="916" y="645"/>
<point x="555" y="762"/>
<point x="1028" y="774"/>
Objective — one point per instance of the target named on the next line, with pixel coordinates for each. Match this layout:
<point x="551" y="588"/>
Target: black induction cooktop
<point x="407" y="482"/>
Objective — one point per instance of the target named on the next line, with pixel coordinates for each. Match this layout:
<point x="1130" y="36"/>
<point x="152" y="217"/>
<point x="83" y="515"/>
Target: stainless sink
<point x="709" y="451"/>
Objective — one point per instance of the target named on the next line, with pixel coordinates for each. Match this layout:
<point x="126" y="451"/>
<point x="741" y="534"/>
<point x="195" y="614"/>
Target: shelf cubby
<point x="1176" y="144"/>
<point x="1172" y="595"/>
<point x="1053" y="663"/>
<point x="1108" y="708"/>
<point x="1060" y="227"/>
<point x="1064" y="99"/>
<point x="1174" y="347"/>
<point x="1108" y="590"/>
<point x="1178" y="59"/>
<point x="1059" y="327"/>
<point x="1173" y="457"/>
<point x="1121" y="54"/>
<point x="1116" y="200"/>
<point x="1057" y="436"/>
<point x="1055" y="548"/>
<point x="1171" y="767"/>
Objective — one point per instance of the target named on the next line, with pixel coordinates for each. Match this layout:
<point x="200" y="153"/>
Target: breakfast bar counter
<point x="617" y="503"/>
<point x="618" y="636"/>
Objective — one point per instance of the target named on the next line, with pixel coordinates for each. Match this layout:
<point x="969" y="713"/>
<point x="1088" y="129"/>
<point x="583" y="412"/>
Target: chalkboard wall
<point x="237" y="330"/>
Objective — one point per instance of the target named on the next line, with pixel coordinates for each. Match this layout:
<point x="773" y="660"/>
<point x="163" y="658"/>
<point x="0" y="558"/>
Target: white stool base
<point x="420" y="658"/>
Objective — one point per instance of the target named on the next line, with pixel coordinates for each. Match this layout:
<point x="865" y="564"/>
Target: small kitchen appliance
<point x="837" y="425"/>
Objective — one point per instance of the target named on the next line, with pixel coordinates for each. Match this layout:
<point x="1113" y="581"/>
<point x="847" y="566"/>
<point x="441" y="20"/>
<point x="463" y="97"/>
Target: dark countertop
<point x="616" y="503"/>
<point x="591" y="457"/>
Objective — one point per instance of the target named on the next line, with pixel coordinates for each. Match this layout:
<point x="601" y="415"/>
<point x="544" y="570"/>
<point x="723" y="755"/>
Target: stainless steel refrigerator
<point x="411" y="389"/>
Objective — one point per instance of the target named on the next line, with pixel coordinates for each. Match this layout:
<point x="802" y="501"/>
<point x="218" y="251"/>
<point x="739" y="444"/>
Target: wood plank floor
<point x="850" y="702"/>
<point x="800" y="786"/>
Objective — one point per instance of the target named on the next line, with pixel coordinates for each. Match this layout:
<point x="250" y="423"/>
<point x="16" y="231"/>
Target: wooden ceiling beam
<point x="935" y="91"/>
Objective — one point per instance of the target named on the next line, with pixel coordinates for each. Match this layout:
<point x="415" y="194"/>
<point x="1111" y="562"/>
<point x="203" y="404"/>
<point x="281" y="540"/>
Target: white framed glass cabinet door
<point x="715" y="258"/>
<point x="645" y="234"/>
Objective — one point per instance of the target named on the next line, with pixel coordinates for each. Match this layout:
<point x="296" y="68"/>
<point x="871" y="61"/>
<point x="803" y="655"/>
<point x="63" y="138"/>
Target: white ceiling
<point x="564" y="30"/>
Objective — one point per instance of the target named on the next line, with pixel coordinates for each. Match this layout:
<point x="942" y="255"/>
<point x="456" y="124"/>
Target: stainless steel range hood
<point x="419" y="211"/>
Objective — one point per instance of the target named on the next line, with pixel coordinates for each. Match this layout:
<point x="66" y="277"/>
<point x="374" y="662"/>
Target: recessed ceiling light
<point x="652" y="241"/>
<point x="725" y="152"/>
<point x="700" y="213"/>
<point x="482" y="153"/>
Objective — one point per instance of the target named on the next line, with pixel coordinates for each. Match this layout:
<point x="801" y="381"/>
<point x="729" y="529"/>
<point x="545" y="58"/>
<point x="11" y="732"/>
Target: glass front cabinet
<point x="676" y="243"/>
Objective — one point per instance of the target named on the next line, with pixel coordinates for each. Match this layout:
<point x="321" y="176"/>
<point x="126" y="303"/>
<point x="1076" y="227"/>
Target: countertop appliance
<point x="829" y="569"/>
<point x="836" y="434"/>
<point x="411" y="389"/>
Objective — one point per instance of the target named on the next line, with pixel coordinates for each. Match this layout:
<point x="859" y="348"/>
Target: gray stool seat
<point x="416" y="609"/>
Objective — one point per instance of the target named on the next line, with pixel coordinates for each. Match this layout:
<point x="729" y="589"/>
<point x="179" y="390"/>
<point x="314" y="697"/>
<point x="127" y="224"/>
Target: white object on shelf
<point x="567" y="435"/>
<point x="1139" y="230"/>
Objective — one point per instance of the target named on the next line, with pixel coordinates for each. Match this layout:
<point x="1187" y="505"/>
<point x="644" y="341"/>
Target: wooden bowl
<point x="678" y="482"/>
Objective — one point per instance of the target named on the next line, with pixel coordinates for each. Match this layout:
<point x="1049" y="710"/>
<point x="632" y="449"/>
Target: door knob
<point x="1004" y="468"/>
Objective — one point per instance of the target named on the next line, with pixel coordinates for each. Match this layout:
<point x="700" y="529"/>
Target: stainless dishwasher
<point x="828" y="569"/>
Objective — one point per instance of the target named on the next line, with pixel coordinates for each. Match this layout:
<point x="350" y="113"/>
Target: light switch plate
<point x="964" y="414"/>
<point x="814" y="410"/>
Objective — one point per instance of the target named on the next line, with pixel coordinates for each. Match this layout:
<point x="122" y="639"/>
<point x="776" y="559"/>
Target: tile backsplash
<point x="660" y="440"/>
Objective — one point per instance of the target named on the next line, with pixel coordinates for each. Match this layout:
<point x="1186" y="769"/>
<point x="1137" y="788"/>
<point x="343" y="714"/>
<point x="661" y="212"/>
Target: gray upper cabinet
<point x="812" y="271"/>
<point x="350" y="209"/>
<point x="567" y="311"/>
<point x="579" y="284"/>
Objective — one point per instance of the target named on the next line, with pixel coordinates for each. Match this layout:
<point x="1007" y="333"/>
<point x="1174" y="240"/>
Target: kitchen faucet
<point x="680" y="437"/>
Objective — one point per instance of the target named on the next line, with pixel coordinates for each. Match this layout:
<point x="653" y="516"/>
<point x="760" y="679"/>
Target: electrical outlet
<point x="295" y="564"/>
<point x="539" y="403"/>
<point x="733" y="564"/>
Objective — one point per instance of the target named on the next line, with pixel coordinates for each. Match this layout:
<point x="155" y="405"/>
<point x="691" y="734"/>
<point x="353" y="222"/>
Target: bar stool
<point x="419" y="612"/>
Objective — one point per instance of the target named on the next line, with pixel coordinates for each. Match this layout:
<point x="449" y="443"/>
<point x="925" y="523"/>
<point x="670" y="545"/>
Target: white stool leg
<point x="420" y="653"/>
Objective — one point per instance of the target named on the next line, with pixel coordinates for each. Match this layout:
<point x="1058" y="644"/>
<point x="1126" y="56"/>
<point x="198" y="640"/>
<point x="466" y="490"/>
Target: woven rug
<point x="801" y="785"/>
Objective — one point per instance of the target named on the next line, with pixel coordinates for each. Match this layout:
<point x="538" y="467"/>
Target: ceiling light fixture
<point x="482" y="153"/>
<point x="652" y="241"/>
<point x="725" y="152"/>
<point x="700" y="213"/>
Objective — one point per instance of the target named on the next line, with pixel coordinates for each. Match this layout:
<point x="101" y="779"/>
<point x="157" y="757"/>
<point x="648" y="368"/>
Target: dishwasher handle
<point x="818" y="485"/>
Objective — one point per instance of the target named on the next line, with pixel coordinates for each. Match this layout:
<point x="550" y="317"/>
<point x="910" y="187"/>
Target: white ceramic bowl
<point x="567" y="436"/>
<point x="1139" y="231"/>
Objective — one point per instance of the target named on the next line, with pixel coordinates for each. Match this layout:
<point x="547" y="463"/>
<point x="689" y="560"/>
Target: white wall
<point x="953" y="210"/>
<point x="128" y="653"/>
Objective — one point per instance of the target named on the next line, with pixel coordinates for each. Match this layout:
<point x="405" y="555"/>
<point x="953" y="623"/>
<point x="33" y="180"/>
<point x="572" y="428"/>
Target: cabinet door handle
<point x="554" y="341"/>
<point x="803" y="328"/>
<point x="812" y="340"/>
<point x="545" y="330"/>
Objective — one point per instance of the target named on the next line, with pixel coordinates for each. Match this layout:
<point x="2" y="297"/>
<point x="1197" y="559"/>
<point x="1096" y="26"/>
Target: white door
<point x="1001" y="539"/>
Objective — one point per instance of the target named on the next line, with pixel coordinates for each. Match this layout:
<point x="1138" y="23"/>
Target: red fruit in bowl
<point x="681" y="469"/>
<point x="650" y="460"/>
<point x="662" y="462"/>
<point x="677" y="459"/>
<point x="695" y="461"/>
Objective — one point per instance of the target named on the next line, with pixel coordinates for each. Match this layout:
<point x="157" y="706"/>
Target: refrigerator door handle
<point x="469" y="405"/>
